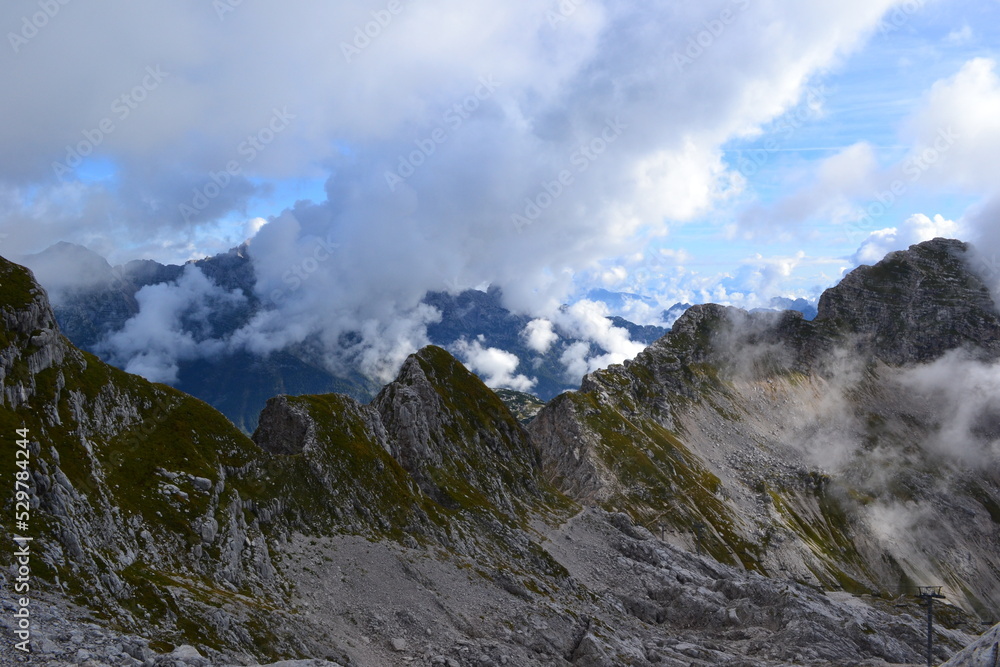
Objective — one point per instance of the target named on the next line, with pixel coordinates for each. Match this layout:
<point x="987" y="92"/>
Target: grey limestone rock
<point x="984" y="652"/>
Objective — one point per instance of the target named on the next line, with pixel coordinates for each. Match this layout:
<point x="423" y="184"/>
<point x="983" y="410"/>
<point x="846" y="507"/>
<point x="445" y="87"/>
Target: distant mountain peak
<point x="915" y="304"/>
<point x="68" y="266"/>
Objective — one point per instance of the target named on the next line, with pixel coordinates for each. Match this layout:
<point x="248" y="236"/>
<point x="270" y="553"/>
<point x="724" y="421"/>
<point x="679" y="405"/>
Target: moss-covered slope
<point x="135" y="487"/>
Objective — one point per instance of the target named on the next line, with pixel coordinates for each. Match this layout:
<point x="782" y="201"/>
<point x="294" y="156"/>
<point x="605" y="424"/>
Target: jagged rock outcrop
<point x="574" y="464"/>
<point x="285" y="428"/>
<point x="437" y="423"/>
<point x="450" y="432"/>
<point x="30" y="342"/>
<point x="332" y="472"/>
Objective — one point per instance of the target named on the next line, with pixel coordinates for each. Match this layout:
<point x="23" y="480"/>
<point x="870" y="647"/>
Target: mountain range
<point x="754" y="488"/>
<point x="92" y="300"/>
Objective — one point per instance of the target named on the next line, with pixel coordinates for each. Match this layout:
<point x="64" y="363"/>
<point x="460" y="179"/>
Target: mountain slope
<point x="449" y="431"/>
<point x="154" y="510"/>
<point x="805" y="448"/>
<point x="130" y="480"/>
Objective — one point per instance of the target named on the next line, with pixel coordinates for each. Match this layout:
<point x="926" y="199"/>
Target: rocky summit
<point x="752" y="489"/>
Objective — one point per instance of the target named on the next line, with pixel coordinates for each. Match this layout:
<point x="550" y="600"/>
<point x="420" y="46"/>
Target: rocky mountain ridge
<point x="725" y="498"/>
<point x="792" y="446"/>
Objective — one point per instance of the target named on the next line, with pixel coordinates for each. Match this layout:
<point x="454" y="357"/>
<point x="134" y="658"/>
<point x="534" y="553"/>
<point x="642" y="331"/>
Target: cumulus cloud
<point x="847" y="174"/>
<point x="915" y="229"/>
<point x="615" y="275"/>
<point x="574" y="358"/>
<point x="173" y="324"/>
<point x="961" y="115"/>
<point x="966" y="109"/>
<point x="497" y="367"/>
<point x="587" y="321"/>
<point x="758" y="279"/>
<point x="434" y="150"/>
<point x="539" y="335"/>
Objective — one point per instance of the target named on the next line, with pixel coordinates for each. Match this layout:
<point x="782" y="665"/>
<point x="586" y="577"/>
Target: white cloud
<point x="253" y="226"/>
<point x="539" y="335"/>
<point x="589" y="120"/>
<point x="497" y="367"/>
<point x="961" y="35"/>
<point x="915" y="229"/>
<point x="962" y="116"/>
<point x="615" y="275"/>
<point x="587" y="321"/>
<point x="967" y="410"/>
<point x="574" y="358"/>
<point x="956" y="132"/>
<point x="953" y="138"/>
<point x="172" y="325"/>
<point x="683" y="182"/>
<point x="758" y="279"/>
<point x="847" y="174"/>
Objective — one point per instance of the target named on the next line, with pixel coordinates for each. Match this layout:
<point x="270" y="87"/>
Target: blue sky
<point x="865" y="97"/>
<point x="548" y="148"/>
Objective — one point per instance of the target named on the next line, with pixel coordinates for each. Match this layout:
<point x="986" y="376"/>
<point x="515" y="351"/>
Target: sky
<point x="685" y="150"/>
